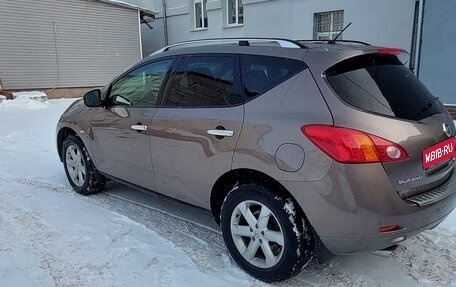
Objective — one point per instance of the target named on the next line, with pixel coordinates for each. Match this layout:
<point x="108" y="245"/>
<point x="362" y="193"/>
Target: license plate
<point x="439" y="152"/>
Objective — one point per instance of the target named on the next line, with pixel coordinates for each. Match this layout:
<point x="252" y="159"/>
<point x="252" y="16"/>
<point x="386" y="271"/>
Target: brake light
<point x="390" y="51"/>
<point x="401" y="54"/>
<point x="352" y="146"/>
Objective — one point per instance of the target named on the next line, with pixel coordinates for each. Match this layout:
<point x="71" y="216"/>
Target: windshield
<point x="382" y="85"/>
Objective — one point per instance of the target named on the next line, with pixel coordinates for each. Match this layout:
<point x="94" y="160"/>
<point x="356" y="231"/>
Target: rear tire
<point x="266" y="234"/>
<point x="79" y="168"/>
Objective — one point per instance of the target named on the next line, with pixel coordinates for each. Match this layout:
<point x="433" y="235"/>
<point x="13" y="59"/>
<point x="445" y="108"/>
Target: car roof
<point x="291" y="53"/>
<point x="320" y="54"/>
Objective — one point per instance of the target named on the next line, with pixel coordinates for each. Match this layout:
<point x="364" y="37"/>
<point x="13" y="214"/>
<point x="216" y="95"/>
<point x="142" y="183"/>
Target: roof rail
<point x="285" y="43"/>
<point x="330" y="41"/>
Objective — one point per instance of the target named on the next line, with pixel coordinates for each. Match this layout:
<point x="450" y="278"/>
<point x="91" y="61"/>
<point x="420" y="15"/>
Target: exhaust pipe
<point x="385" y="253"/>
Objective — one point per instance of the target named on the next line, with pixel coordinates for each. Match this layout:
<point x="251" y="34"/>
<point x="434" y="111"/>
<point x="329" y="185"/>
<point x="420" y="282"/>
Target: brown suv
<point x="297" y="148"/>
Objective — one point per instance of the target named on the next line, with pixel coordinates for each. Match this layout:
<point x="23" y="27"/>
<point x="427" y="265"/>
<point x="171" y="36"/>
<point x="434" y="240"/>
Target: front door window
<point x="141" y="87"/>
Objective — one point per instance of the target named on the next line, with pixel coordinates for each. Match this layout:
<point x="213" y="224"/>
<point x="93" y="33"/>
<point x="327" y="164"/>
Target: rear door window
<point x="260" y="74"/>
<point x="204" y="81"/>
<point x="381" y="84"/>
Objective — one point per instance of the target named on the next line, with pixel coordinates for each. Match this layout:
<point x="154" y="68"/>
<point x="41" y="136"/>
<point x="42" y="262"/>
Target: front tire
<point x="79" y="168"/>
<point x="265" y="234"/>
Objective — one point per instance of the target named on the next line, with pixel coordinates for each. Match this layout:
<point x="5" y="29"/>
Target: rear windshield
<point x="382" y="84"/>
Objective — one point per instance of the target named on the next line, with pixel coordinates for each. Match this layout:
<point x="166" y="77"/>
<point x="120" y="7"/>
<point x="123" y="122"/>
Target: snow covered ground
<point x="50" y="236"/>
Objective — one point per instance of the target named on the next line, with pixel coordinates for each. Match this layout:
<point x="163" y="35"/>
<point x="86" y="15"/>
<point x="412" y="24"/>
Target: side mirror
<point x="92" y="99"/>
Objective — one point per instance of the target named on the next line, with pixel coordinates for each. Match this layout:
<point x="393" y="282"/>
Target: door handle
<point x="139" y="128"/>
<point x="221" y="133"/>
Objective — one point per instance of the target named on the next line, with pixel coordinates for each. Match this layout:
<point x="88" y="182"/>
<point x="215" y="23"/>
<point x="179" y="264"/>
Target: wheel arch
<point x="235" y="177"/>
<point x="63" y="133"/>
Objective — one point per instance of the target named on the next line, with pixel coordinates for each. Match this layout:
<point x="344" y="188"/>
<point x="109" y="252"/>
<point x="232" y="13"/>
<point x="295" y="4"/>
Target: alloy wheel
<point x="75" y="165"/>
<point x="257" y="234"/>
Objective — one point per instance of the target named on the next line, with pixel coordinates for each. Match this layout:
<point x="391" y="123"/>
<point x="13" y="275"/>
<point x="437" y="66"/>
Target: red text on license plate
<point x="439" y="152"/>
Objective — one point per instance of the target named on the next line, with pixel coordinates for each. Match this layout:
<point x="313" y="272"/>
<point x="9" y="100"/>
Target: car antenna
<point x="333" y="41"/>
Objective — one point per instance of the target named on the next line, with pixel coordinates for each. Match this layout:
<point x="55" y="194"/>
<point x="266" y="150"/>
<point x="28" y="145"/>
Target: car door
<point x="195" y="131"/>
<point x="121" y="128"/>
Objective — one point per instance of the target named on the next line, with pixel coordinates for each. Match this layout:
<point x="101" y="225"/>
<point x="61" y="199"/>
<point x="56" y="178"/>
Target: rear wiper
<point x="430" y="104"/>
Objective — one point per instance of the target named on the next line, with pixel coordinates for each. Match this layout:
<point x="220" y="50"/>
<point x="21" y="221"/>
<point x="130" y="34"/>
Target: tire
<point x="79" y="168"/>
<point x="281" y="236"/>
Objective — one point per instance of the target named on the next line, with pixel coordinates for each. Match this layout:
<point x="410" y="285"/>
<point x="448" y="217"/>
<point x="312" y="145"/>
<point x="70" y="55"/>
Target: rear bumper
<point x="349" y="205"/>
<point x="342" y="246"/>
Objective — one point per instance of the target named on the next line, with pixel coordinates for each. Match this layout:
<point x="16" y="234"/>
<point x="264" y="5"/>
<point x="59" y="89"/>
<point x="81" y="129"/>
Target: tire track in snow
<point x="206" y="248"/>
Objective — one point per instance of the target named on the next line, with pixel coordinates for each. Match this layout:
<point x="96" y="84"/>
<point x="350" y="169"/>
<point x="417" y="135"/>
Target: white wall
<point x="437" y="51"/>
<point x="154" y="39"/>
<point x="385" y="22"/>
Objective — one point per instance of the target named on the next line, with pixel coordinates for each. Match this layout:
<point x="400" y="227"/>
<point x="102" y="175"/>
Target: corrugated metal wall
<point x="65" y="43"/>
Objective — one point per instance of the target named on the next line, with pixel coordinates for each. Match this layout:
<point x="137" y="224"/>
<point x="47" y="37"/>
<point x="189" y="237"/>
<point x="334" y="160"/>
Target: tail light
<point x="351" y="146"/>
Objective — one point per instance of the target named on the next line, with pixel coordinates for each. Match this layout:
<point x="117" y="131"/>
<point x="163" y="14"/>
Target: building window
<point x="235" y="12"/>
<point x="328" y="24"/>
<point x="199" y="8"/>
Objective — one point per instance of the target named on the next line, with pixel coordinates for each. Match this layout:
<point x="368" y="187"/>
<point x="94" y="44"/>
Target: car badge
<point x="410" y="180"/>
<point x="447" y="129"/>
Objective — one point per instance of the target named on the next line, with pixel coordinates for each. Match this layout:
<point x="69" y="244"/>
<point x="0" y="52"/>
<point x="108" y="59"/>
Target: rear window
<point x="382" y="84"/>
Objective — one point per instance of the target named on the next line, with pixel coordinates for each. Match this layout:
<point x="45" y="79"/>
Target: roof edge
<point x="128" y="5"/>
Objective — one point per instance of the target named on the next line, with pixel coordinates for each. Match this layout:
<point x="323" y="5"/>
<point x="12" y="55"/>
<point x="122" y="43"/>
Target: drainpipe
<point x="165" y="22"/>
<point x="419" y="34"/>
<point x="140" y="35"/>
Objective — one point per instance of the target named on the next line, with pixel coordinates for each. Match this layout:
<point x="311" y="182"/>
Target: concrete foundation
<point x="54" y="93"/>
